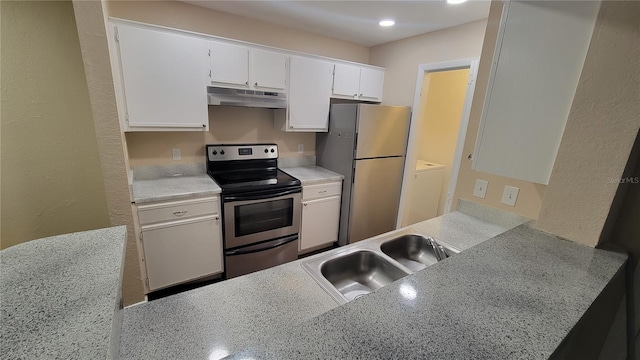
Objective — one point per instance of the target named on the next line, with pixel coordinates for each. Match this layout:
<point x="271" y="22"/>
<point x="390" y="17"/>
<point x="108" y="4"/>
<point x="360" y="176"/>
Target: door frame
<point x="410" y="159"/>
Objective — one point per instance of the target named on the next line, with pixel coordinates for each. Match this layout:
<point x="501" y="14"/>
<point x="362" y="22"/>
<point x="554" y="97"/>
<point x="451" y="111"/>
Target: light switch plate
<point x="510" y="195"/>
<point x="480" y="190"/>
<point x="175" y="154"/>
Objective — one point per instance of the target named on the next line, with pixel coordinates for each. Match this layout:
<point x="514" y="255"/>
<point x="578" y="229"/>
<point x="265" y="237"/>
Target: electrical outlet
<point x="510" y="195"/>
<point x="300" y="148"/>
<point x="480" y="190"/>
<point x="175" y="154"/>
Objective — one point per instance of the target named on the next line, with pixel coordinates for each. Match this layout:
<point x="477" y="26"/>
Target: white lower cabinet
<point x="320" y="216"/>
<point x="182" y="241"/>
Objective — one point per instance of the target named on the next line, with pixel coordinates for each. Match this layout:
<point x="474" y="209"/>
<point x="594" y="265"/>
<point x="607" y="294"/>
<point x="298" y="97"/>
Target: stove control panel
<point x="241" y="152"/>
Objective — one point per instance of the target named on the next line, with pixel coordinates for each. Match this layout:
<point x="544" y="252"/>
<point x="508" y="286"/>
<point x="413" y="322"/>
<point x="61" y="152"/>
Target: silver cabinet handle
<point x="217" y="217"/>
<point x="256" y="83"/>
<point x="246" y="82"/>
<point x="360" y="94"/>
<point x="322" y="192"/>
<point x="354" y="95"/>
<point x="305" y="204"/>
<point x="180" y="213"/>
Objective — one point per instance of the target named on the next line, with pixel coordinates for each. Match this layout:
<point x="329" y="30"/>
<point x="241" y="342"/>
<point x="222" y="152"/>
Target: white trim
<point x="410" y="161"/>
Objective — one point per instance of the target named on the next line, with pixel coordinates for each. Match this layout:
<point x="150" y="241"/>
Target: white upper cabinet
<point x="163" y="80"/>
<point x="308" y="94"/>
<point x="268" y="70"/>
<point x="371" y="81"/>
<point x="229" y="64"/>
<point x="239" y="66"/>
<point x="358" y="83"/>
<point x="538" y="60"/>
<point x="346" y="80"/>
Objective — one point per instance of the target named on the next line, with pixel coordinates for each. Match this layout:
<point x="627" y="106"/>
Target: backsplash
<point x="151" y="172"/>
<point x="285" y="162"/>
<point x="227" y="125"/>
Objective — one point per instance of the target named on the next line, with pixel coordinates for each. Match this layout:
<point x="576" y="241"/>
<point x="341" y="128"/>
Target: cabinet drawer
<point x="321" y="190"/>
<point x="174" y="210"/>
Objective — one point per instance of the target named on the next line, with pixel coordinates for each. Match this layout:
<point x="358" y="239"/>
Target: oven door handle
<point x="260" y="196"/>
<point x="262" y="247"/>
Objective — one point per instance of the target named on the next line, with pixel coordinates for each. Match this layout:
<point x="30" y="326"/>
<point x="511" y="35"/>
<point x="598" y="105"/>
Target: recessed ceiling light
<point x="456" y="1"/>
<point x="386" y="23"/>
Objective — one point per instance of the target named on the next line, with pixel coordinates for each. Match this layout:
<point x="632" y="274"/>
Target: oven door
<point x="253" y="218"/>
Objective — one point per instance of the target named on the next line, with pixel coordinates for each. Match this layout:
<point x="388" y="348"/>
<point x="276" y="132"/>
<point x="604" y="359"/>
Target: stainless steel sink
<point x="359" y="273"/>
<point x="413" y="251"/>
<point x="358" y="269"/>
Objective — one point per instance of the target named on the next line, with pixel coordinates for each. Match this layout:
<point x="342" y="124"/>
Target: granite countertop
<point x="223" y="318"/>
<point x="214" y="321"/>
<point x="312" y="174"/>
<point x="515" y="296"/>
<point x="61" y="296"/>
<point x="171" y="182"/>
<point x="470" y="225"/>
<point x="173" y="188"/>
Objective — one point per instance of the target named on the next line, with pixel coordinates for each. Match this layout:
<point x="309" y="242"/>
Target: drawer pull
<point x="180" y="213"/>
<point x="322" y="192"/>
<point x="217" y="217"/>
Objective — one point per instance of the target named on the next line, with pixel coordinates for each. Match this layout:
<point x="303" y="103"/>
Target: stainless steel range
<point x="260" y="207"/>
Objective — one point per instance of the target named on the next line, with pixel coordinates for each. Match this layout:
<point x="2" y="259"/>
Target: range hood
<point x="246" y="98"/>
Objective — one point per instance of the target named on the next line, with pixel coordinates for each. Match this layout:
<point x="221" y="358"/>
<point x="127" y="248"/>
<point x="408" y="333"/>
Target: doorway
<point x="444" y="92"/>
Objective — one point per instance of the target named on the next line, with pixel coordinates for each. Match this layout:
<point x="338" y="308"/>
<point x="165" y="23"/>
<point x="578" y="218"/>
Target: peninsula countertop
<point x="61" y="296"/>
<point x="220" y="319"/>
<point x="516" y="296"/>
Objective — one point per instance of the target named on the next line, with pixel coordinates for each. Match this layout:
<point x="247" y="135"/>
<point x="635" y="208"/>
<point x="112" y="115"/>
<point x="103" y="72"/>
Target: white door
<point x="371" y="81"/>
<point x="346" y="80"/>
<point x="229" y="64"/>
<point x="164" y="78"/>
<point x="182" y="250"/>
<point x="309" y="92"/>
<point x="320" y="219"/>
<point x="269" y="70"/>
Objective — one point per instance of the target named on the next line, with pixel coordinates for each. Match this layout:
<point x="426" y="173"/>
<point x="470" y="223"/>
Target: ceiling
<point x="357" y="21"/>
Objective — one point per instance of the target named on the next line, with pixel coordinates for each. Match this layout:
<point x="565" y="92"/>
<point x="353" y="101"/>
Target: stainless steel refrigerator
<point x="367" y="144"/>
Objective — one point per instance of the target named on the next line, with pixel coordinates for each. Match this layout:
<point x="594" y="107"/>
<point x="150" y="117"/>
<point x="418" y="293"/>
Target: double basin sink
<point x="366" y="266"/>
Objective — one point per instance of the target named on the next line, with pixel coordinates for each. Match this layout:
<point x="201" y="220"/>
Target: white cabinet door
<point x="180" y="251"/>
<point x="371" y="81"/>
<point x="309" y="92"/>
<point x="346" y="80"/>
<point x="320" y="220"/>
<point x="229" y="64"/>
<point x="164" y="79"/>
<point x="536" y="67"/>
<point x="268" y="70"/>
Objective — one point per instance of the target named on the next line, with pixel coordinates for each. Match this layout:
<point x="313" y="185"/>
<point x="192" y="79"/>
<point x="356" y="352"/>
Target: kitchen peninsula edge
<point x="61" y="296"/>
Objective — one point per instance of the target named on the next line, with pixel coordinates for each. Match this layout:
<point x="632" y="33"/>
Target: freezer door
<point x="375" y="197"/>
<point x="382" y="131"/>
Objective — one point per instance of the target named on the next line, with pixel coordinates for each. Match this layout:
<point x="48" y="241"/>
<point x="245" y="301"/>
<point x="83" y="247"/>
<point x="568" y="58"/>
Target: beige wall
<point x="51" y="176"/>
<point x="531" y="194"/>
<point x="93" y="42"/>
<point x="603" y="123"/>
<point x="402" y="57"/>
<point x="438" y="136"/>
<point x="199" y="19"/>
<point x="227" y="124"/>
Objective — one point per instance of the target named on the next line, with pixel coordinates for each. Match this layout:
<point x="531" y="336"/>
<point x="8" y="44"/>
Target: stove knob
<point x="266" y="151"/>
<point x="214" y="152"/>
<point x="221" y="152"/>
<point x="272" y="150"/>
